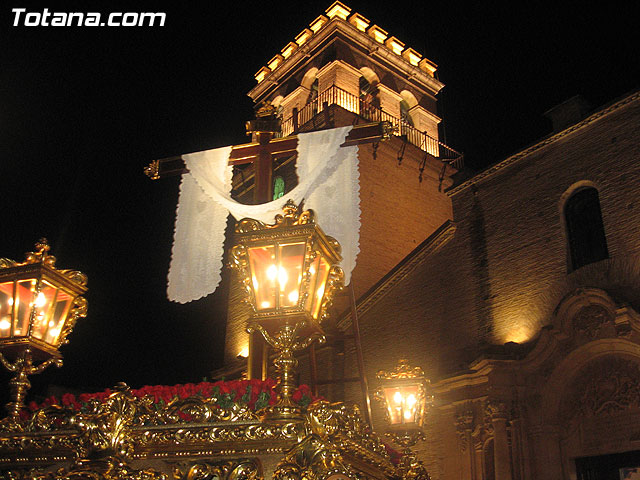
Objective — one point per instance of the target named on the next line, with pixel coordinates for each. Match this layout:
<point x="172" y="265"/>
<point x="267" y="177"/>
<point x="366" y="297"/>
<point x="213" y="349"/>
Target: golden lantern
<point x="290" y="272"/>
<point x="405" y="395"/>
<point x="39" y="306"/>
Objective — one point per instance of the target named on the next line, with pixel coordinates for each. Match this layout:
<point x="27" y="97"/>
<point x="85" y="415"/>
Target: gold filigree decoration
<point x="226" y="470"/>
<point x="333" y="431"/>
<point x="293" y="215"/>
<point x="200" y="410"/>
<point x="153" y="170"/>
<point x="403" y="370"/>
<point x="41" y="254"/>
<point x="105" y="440"/>
<point x="110" y="469"/>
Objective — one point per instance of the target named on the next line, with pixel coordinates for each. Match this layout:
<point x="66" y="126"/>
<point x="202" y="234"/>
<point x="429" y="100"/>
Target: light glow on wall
<point x="244" y="353"/>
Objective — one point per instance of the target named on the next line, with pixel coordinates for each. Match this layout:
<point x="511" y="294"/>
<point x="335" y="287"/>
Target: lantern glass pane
<point x="264" y="276"/>
<point x="290" y="273"/>
<point x="42" y="304"/>
<point x="23" y="303"/>
<point x="59" y="314"/>
<point x="313" y="276"/>
<point x="6" y="308"/>
<point x="403" y="404"/>
<point x="318" y="293"/>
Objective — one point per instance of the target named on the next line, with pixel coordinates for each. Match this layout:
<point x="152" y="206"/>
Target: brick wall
<point x="505" y="270"/>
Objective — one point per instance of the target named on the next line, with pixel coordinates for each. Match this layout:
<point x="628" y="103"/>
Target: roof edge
<point x="496" y="168"/>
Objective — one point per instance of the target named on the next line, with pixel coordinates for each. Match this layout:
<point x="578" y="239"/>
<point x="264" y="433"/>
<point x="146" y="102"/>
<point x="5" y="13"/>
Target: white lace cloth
<point x="328" y="183"/>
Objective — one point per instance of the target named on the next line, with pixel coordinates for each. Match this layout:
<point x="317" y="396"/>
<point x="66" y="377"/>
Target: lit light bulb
<point x="10" y="302"/>
<point x="265" y="304"/>
<point x="397" y="398"/>
<point x="312" y="270"/>
<point x="411" y="400"/>
<point x="293" y="296"/>
<point x="41" y="300"/>
<point x="407" y="415"/>
<point x="5" y="324"/>
<point x="52" y="323"/>
<point x="272" y="272"/>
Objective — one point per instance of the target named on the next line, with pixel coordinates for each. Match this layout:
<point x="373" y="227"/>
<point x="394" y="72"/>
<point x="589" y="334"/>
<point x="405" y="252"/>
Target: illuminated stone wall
<point x="500" y="277"/>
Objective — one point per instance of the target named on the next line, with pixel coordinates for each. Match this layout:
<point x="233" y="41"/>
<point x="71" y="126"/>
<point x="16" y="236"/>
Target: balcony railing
<point x="336" y="96"/>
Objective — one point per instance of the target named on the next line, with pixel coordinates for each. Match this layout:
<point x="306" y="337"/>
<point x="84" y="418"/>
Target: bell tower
<point x="345" y="70"/>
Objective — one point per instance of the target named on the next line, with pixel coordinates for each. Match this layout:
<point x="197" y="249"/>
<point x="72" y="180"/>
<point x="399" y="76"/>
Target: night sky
<point x="83" y="110"/>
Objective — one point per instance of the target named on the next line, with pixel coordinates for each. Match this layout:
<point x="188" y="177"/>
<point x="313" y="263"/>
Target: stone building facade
<point x="516" y="290"/>
<point x="535" y="364"/>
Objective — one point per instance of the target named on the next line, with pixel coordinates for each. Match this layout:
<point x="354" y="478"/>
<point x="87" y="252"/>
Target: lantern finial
<point x="41" y="254"/>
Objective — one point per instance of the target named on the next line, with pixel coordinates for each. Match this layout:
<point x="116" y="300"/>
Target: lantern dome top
<point x="40" y="256"/>
<point x="402" y="370"/>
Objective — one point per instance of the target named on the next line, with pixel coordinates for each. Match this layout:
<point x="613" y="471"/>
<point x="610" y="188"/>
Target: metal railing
<point x="336" y="96"/>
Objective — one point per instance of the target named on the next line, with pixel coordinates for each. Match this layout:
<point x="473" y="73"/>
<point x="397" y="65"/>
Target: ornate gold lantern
<point x="39" y="306"/>
<point x="405" y="395"/>
<point x="290" y="272"/>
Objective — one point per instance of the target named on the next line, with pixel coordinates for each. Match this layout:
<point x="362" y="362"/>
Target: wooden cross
<point x="262" y="153"/>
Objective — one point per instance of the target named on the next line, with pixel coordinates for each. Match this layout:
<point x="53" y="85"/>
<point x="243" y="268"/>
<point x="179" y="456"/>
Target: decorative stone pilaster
<point x="499" y="415"/>
<point x="464" y="427"/>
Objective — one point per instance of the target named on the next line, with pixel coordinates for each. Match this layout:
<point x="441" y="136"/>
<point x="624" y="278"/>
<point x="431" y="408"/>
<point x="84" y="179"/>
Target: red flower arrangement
<point x="256" y="394"/>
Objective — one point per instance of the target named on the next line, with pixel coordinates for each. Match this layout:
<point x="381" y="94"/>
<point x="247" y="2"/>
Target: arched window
<point x="585" y="230"/>
<point x="369" y="102"/>
<point x="278" y="187"/>
<point x="313" y="91"/>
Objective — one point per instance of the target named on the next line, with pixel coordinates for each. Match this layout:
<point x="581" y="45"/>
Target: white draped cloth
<point x="327" y="181"/>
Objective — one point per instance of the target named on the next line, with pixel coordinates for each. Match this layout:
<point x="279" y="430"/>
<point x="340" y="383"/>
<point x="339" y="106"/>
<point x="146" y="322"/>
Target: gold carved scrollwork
<point x="200" y="410"/>
<point x="332" y="430"/>
<point x="105" y="429"/>
<point x="229" y="470"/>
<point x="153" y="170"/>
<point x="403" y="370"/>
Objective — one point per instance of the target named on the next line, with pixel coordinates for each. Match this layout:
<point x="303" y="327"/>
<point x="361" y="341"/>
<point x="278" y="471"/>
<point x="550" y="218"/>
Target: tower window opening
<point x="585" y="228"/>
<point x="369" y="101"/>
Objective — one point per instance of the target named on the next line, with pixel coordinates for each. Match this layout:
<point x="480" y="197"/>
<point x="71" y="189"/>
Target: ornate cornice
<point x="378" y="52"/>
